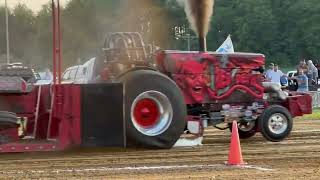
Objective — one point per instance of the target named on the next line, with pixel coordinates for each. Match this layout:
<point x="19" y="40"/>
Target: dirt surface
<point x="298" y="157"/>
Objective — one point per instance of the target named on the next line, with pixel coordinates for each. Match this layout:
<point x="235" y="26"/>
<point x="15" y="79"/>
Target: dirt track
<point x="295" y="158"/>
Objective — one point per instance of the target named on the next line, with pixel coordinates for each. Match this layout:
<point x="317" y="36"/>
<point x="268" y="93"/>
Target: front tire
<point x="246" y="130"/>
<point x="275" y="123"/>
<point x="155" y="111"/>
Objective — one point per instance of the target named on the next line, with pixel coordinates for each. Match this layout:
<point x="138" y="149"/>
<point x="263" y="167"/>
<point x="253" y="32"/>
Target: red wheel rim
<point x="151" y="113"/>
<point x="146" y="112"/>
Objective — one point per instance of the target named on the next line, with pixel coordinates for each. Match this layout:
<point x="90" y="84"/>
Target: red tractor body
<point x="137" y="107"/>
<point x="143" y="98"/>
<point x="210" y="77"/>
<point x="215" y="78"/>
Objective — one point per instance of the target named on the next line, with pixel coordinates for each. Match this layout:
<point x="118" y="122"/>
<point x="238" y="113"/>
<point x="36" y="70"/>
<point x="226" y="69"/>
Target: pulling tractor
<point x="145" y="98"/>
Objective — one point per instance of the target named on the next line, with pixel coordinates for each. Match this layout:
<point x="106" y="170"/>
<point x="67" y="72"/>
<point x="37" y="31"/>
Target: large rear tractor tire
<point x="8" y="120"/>
<point x="275" y="123"/>
<point x="155" y="111"/>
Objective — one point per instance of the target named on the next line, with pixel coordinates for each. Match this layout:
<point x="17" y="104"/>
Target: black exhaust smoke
<point x="199" y="13"/>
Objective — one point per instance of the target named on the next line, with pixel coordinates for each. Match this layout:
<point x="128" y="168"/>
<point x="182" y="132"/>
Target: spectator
<point x="275" y="75"/>
<point x="48" y="75"/>
<point x="312" y="71"/>
<point x="269" y="71"/>
<point x="303" y="65"/>
<point x="302" y="80"/>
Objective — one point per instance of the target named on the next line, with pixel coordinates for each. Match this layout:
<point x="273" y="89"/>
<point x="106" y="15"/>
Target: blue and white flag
<point x="226" y="47"/>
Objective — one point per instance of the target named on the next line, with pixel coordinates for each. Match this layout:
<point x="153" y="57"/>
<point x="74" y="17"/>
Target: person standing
<point x="48" y="75"/>
<point x="303" y="65"/>
<point x="269" y="72"/>
<point x="312" y="71"/>
<point x="275" y="75"/>
<point x="302" y="81"/>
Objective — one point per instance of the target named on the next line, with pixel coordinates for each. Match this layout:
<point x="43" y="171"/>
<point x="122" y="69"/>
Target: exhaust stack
<point x="202" y="44"/>
<point x="199" y="13"/>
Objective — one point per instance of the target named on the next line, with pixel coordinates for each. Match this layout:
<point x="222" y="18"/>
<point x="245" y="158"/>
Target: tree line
<point x="285" y="31"/>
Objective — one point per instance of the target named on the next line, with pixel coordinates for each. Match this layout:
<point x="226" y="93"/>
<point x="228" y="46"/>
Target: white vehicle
<point x="69" y="75"/>
<point x="291" y="73"/>
<point x="85" y="76"/>
<point x="81" y="74"/>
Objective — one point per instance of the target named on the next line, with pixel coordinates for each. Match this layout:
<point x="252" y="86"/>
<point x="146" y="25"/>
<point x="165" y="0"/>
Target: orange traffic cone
<point x="235" y="154"/>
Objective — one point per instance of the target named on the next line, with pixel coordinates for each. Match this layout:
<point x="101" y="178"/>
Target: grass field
<point x="314" y="116"/>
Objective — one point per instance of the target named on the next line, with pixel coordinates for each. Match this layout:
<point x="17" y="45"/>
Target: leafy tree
<point x="22" y="32"/>
<point x="285" y="31"/>
<point x="3" y="35"/>
<point x="44" y="37"/>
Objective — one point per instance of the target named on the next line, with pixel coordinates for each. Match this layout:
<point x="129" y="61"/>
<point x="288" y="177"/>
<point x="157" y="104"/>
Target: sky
<point x="35" y="5"/>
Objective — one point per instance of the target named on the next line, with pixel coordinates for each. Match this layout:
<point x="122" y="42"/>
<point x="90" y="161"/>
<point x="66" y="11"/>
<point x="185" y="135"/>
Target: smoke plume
<point x="199" y="14"/>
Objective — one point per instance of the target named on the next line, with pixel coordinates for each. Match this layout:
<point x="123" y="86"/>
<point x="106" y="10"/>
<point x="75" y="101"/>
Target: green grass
<point x="314" y="116"/>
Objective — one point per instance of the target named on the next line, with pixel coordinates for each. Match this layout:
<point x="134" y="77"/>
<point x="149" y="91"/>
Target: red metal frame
<point x="54" y="42"/>
<point x="57" y="41"/>
<point x="65" y="127"/>
<point x="57" y="60"/>
<point x="52" y="112"/>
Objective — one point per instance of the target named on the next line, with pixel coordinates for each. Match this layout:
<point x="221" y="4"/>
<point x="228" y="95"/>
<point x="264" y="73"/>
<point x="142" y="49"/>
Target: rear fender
<point x="137" y="68"/>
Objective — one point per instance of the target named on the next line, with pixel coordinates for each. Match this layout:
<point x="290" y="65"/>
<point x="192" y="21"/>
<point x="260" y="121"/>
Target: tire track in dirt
<point x="302" y="145"/>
